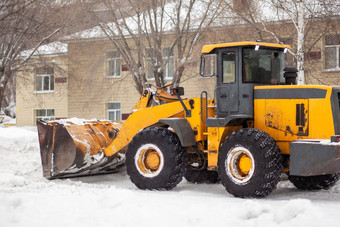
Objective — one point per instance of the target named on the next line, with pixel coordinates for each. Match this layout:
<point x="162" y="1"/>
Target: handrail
<point x="206" y="106"/>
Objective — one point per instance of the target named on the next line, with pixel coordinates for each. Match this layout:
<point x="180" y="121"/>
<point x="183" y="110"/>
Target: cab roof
<point x="208" y="48"/>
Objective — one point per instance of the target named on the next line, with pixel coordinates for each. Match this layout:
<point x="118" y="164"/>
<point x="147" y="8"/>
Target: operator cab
<point x="238" y="67"/>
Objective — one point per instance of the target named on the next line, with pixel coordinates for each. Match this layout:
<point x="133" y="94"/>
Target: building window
<point x="114" y="112"/>
<point x="168" y="57"/>
<point x="44" y="114"/>
<point x="332" y="52"/>
<point x="114" y="64"/>
<point x="44" y="79"/>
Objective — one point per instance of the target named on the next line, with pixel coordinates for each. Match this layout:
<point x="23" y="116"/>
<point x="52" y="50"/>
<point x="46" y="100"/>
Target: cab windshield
<point x="263" y="66"/>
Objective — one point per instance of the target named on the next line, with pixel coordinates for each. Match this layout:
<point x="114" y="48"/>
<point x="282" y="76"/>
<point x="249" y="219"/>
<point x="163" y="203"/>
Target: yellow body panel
<point x="141" y="119"/>
<point x="278" y="117"/>
<point x="208" y="48"/>
<point x="144" y="116"/>
<point x="275" y="116"/>
<point x="216" y="136"/>
<point x="143" y="101"/>
<point x="195" y="120"/>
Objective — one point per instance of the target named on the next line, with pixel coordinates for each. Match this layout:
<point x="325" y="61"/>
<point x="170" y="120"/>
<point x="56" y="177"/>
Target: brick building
<point x="89" y="79"/>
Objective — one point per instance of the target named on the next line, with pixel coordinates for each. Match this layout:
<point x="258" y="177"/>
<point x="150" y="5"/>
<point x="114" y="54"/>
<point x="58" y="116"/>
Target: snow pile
<point x="27" y="199"/>
<point x="18" y="139"/>
<point x="4" y="119"/>
<point x="78" y="121"/>
<point x="73" y="120"/>
<point x="291" y="213"/>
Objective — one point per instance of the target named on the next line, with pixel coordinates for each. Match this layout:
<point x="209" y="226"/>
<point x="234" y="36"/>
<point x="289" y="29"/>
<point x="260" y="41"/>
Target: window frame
<point x="45" y="116"/>
<point x="244" y="64"/>
<point x="114" y="59"/>
<point x="337" y="53"/>
<point x="223" y="72"/>
<point x="212" y="59"/>
<point x="167" y="58"/>
<point x="115" y="111"/>
<point x="43" y="76"/>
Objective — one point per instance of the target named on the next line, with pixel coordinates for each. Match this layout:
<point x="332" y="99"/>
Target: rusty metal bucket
<point x="71" y="150"/>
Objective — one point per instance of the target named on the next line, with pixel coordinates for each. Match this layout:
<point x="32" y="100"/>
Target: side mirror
<point x="208" y="65"/>
<point x="178" y="91"/>
<point x="202" y="65"/>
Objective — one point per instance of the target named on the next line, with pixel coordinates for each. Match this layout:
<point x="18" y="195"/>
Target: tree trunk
<point x="176" y="80"/>
<point x="3" y="84"/>
<point x="301" y="43"/>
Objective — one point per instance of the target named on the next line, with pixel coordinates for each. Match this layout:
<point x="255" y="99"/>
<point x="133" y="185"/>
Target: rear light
<point x="335" y="139"/>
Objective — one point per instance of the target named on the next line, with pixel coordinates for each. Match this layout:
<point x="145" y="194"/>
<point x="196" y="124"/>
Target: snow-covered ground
<point x="27" y="199"/>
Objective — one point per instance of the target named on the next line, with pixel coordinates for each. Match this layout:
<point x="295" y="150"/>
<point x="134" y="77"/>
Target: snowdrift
<point x="28" y="199"/>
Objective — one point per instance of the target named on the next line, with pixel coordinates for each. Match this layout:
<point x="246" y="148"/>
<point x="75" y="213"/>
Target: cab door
<point x="226" y="92"/>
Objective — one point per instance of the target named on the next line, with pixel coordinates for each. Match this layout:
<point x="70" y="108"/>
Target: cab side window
<point x="229" y="67"/>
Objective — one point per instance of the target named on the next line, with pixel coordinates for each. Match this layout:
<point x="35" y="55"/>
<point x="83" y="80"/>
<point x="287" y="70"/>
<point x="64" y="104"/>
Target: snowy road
<point x="27" y="199"/>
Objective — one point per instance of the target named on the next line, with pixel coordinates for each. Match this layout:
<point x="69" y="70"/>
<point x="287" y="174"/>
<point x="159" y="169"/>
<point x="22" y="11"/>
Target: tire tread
<point x="314" y="182"/>
<point x="178" y="159"/>
<point x="270" y="165"/>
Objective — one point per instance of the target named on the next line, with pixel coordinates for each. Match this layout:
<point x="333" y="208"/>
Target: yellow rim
<point x="244" y="164"/>
<point x="240" y="165"/>
<point x="149" y="160"/>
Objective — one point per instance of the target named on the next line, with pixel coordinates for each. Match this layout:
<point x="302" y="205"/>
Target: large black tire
<point x="259" y="176"/>
<point x="155" y="144"/>
<point x="314" y="182"/>
<point x="201" y="176"/>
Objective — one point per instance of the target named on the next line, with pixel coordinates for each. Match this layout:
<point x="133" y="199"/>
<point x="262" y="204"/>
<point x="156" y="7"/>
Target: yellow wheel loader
<point x="258" y="125"/>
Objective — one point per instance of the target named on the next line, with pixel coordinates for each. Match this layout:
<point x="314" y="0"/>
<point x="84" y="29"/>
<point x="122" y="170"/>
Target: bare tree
<point x="24" y="25"/>
<point x="300" y="19"/>
<point x="157" y="37"/>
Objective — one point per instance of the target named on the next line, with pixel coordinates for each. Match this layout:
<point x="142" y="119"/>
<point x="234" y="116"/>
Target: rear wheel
<point x="249" y="163"/>
<point x="314" y="182"/>
<point x="155" y="159"/>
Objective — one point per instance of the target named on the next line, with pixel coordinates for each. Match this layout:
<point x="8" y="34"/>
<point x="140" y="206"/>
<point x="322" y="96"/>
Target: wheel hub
<point x="240" y="165"/>
<point x="149" y="160"/>
<point x="244" y="164"/>
<point x="152" y="160"/>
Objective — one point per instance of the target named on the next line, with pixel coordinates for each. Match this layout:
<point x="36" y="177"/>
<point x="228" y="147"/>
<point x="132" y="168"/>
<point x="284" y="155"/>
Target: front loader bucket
<point x="72" y="150"/>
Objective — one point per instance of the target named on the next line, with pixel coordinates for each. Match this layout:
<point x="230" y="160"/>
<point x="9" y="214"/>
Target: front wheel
<point x="155" y="159"/>
<point x="249" y="163"/>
